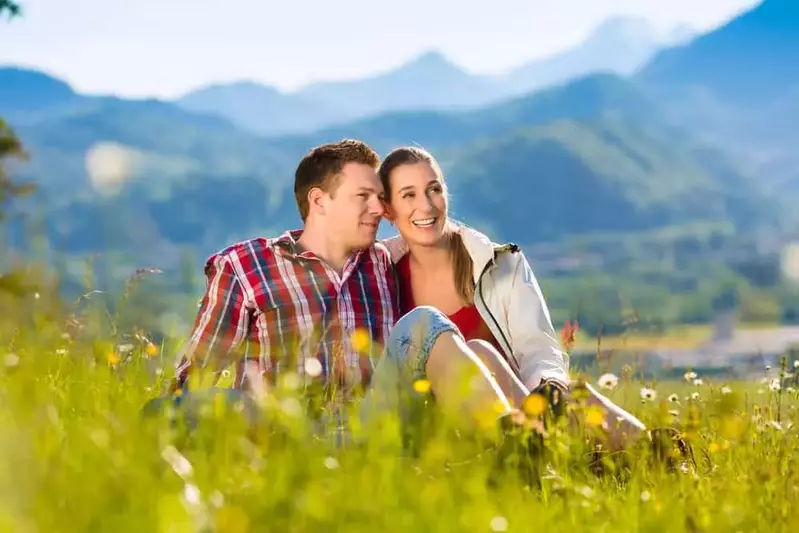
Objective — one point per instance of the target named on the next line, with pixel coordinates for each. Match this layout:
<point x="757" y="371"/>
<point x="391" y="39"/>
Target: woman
<point x="488" y="290"/>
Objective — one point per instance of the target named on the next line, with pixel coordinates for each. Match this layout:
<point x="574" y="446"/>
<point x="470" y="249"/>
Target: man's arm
<point x="220" y="326"/>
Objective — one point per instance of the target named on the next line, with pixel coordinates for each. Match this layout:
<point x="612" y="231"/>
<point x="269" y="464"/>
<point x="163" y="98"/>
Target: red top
<point x="467" y="318"/>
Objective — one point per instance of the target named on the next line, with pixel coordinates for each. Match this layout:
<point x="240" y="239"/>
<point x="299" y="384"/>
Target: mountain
<point x="566" y="178"/>
<point x="738" y="86"/>
<point x="585" y="100"/>
<point x="619" y="45"/>
<point x="428" y="82"/>
<point x="747" y="61"/>
<point x="25" y="90"/>
<point x="260" y="108"/>
<point x="147" y="179"/>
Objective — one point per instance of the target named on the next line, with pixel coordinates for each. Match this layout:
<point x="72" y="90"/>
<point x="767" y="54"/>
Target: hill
<point x="738" y="87"/>
<point x="147" y="178"/>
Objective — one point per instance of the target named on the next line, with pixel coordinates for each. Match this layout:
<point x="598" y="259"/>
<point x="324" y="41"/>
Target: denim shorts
<point x="413" y="337"/>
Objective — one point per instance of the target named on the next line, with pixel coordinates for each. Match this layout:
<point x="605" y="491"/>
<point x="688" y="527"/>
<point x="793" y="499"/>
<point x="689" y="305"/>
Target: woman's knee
<point x="415" y="333"/>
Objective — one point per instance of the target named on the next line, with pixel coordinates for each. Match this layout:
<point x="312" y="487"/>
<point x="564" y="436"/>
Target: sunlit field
<point x="77" y="455"/>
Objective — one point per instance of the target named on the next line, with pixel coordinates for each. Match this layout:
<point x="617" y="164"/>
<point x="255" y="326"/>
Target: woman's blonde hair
<point x="463" y="267"/>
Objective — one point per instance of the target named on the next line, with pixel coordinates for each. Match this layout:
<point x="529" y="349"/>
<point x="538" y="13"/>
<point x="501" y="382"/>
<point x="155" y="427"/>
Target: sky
<point x="165" y="48"/>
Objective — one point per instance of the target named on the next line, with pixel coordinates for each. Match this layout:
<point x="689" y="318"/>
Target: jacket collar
<point x="480" y="248"/>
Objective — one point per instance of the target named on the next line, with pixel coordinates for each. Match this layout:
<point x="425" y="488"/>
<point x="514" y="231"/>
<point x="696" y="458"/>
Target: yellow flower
<point x="361" y="340"/>
<point x="594" y="416"/>
<point x="422" y="386"/>
<point x="713" y="447"/>
<point x="534" y="405"/>
<point x="151" y="349"/>
<point x="113" y="358"/>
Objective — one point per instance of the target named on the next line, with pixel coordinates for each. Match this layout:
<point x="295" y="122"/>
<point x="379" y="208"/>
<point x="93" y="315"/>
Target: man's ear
<point x="316" y="201"/>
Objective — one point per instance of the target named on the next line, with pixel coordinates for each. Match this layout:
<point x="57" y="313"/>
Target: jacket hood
<point x="480" y="248"/>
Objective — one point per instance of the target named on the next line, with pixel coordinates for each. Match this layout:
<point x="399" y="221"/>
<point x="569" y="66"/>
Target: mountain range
<point x="429" y="81"/>
<point x="636" y="145"/>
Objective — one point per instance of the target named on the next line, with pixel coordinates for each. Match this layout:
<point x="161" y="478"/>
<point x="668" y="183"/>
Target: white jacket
<point x="511" y="304"/>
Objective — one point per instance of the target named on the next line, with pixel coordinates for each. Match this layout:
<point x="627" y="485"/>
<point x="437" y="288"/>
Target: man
<point x="303" y="302"/>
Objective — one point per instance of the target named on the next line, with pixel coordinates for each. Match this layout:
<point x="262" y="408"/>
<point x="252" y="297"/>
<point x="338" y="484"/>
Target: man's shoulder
<point x="243" y="251"/>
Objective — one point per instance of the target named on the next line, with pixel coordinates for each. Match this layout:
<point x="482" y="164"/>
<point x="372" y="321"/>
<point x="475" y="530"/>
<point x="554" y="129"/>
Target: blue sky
<point x="166" y="47"/>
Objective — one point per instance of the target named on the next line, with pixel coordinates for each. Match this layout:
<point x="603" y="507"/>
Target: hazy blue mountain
<point x="619" y="45"/>
<point x="26" y="90"/>
<point x="591" y="155"/>
<point x="749" y="60"/>
<point x="738" y="87"/>
<point x="430" y="81"/>
<point x="261" y="108"/>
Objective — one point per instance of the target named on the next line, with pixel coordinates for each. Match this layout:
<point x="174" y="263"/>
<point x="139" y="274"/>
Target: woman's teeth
<point x="424" y="223"/>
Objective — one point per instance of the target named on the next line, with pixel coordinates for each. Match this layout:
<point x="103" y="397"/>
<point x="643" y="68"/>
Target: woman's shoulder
<point x="396" y="247"/>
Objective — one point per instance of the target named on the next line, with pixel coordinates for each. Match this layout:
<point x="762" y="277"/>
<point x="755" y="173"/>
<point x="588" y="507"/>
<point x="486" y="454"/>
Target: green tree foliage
<point x="12" y="8"/>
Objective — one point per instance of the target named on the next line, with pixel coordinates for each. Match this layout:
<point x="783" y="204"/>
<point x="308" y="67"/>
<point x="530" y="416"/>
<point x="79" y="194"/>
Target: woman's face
<point x="418" y="206"/>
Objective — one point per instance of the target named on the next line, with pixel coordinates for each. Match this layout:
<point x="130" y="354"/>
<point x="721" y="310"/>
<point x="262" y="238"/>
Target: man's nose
<point x="376" y="207"/>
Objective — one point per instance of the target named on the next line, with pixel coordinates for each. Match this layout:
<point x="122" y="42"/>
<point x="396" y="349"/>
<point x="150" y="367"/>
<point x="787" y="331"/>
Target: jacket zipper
<point x="509" y="355"/>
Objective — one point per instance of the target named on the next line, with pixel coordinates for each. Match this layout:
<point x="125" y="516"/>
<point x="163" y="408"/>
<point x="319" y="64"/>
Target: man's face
<point x="354" y="208"/>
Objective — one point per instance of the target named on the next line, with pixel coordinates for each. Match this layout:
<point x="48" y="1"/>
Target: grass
<point x="76" y="455"/>
<point x="682" y="337"/>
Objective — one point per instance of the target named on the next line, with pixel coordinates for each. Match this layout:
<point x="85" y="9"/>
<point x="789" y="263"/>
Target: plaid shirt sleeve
<point x="221" y="325"/>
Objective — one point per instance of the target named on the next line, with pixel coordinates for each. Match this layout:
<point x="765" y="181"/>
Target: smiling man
<point x="322" y="301"/>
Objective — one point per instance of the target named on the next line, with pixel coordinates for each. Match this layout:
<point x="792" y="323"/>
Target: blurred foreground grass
<point x="75" y="455"/>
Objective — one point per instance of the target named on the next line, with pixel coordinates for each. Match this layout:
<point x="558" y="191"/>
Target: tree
<point x="12" y="8"/>
<point x="10" y="148"/>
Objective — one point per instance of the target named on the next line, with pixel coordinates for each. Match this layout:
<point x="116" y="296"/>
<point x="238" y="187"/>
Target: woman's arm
<point x="533" y="337"/>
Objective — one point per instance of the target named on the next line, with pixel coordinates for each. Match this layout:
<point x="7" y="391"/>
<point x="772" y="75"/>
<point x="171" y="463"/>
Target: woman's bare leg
<point x="622" y="428"/>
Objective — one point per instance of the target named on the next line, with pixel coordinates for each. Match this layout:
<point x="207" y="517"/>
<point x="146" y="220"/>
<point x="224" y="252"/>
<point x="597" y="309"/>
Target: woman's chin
<point x="423" y="238"/>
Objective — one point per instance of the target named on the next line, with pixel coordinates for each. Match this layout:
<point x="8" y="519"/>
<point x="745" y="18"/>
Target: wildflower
<point x="675" y="413"/>
<point x="645" y="496"/>
<point x="673" y="398"/>
<point x="608" y="381"/>
<point x="534" y="404"/>
<point x="726" y="390"/>
<point x="422" y="386"/>
<point x="594" y="416"/>
<point x="331" y="463"/>
<point x="113" y="358"/>
<point x="151" y="349"/>
<point x="499" y="523"/>
<point x="360" y="340"/>
<point x="648" y="395"/>
<point x="698" y="382"/>
<point x="774" y="385"/>
<point x="690" y="376"/>
<point x="11" y="360"/>
<point x="313" y="367"/>
<point x="567" y="336"/>
<point x="695" y="396"/>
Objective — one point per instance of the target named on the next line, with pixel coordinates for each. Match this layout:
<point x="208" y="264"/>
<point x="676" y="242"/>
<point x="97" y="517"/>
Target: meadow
<point x="76" y="455"/>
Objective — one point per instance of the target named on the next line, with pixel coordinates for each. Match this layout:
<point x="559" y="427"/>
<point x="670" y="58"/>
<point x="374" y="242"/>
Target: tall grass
<point x="76" y="454"/>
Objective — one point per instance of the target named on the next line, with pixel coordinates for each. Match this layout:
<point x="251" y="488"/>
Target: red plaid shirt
<point x="265" y="303"/>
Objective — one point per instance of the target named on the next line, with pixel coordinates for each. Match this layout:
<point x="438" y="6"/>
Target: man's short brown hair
<point x="321" y="166"/>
